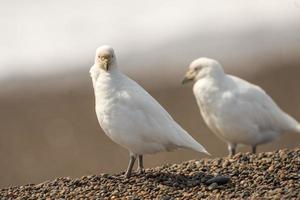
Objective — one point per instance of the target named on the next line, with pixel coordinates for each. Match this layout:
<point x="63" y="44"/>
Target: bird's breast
<point x="210" y="101"/>
<point x="207" y="95"/>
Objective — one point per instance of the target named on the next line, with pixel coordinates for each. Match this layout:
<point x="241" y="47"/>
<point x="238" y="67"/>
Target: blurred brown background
<point x="48" y="126"/>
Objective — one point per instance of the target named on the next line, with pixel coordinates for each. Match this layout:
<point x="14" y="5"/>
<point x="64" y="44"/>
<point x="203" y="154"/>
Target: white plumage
<point x="237" y="111"/>
<point x="130" y="116"/>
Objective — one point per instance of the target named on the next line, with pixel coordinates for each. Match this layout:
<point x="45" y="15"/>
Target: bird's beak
<point x="189" y="76"/>
<point x="105" y="64"/>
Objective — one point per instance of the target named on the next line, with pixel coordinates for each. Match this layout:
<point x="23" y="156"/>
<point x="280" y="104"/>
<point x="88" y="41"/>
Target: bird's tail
<point x="191" y="143"/>
<point x="295" y="127"/>
<point x="298" y="128"/>
<point x="292" y="124"/>
<point x="185" y="140"/>
<point x="198" y="147"/>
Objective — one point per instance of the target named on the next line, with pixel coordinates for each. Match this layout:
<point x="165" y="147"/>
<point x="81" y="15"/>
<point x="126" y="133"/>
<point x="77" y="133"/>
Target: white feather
<point x="236" y="110"/>
<point x="134" y="119"/>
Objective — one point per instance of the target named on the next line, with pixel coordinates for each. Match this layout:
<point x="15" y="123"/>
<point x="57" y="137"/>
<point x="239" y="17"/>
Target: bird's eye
<point x="99" y="56"/>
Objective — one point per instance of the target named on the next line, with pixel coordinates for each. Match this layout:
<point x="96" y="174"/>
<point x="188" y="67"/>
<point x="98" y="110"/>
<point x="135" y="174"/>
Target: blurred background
<point x="48" y="126"/>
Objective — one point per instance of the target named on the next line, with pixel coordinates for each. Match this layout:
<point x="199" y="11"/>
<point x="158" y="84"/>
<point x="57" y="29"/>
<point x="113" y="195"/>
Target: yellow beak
<point x="105" y="64"/>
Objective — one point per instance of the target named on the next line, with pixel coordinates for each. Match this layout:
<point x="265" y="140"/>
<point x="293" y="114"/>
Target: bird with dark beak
<point x="237" y="111"/>
<point x="189" y="76"/>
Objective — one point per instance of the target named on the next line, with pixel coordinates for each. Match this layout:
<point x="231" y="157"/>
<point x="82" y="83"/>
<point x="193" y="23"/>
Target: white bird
<point x="130" y="116"/>
<point x="235" y="110"/>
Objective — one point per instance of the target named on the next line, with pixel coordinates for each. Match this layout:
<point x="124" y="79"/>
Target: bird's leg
<point x="231" y="149"/>
<point x="254" y="149"/>
<point x="132" y="158"/>
<point x="140" y="164"/>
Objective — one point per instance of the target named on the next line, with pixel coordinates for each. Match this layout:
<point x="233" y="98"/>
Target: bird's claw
<point x="141" y="170"/>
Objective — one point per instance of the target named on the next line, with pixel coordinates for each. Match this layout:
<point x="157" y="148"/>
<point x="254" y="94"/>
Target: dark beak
<point x="186" y="80"/>
<point x="189" y="76"/>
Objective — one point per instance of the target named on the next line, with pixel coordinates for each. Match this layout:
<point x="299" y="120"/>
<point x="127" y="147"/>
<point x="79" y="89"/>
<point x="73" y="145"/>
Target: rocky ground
<point x="273" y="175"/>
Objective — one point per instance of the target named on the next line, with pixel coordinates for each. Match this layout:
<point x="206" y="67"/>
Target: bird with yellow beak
<point x="104" y="58"/>
<point x="130" y="116"/>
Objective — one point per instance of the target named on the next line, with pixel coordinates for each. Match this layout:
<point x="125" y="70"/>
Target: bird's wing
<point x="260" y="107"/>
<point x="159" y="126"/>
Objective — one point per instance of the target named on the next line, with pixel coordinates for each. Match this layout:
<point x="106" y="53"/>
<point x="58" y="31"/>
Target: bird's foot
<point x="141" y="170"/>
<point x="127" y="175"/>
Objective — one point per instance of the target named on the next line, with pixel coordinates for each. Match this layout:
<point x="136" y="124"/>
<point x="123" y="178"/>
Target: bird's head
<point x="202" y="67"/>
<point x="105" y="57"/>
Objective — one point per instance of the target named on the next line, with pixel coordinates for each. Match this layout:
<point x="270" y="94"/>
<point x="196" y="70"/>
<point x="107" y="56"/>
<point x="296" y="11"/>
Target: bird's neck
<point x="107" y="80"/>
<point x="106" y="87"/>
<point x="217" y="73"/>
<point x="212" y="76"/>
<point x="211" y="84"/>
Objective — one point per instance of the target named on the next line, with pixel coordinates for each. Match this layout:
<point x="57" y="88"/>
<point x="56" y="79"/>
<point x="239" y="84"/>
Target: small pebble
<point x="212" y="186"/>
<point x="271" y="175"/>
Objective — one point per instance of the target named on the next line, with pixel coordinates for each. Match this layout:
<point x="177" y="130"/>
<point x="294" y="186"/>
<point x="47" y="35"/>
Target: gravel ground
<point x="272" y="175"/>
